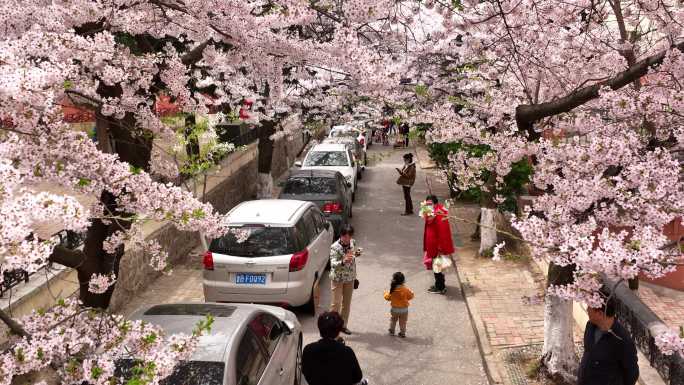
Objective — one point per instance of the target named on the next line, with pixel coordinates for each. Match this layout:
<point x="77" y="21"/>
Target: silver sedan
<point x="247" y="344"/>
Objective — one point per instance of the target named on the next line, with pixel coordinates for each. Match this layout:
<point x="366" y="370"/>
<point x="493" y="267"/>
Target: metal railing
<point x="11" y="278"/>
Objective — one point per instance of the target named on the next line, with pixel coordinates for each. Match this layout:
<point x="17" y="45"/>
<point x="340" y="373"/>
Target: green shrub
<point x="513" y="184"/>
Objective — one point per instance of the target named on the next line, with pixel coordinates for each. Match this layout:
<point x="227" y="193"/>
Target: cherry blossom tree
<point x="115" y="58"/>
<point x="606" y="76"/>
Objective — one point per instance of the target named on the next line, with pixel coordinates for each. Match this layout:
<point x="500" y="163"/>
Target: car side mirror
<point x="287" y="327"/>
<point x="298" y="164"/>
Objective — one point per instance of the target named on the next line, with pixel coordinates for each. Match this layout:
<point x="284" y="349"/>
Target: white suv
<point x="276" y="251"/>
<point x="332" y="156"/>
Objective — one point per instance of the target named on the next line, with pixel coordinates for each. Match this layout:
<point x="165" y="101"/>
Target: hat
<point x="408" y="156"/>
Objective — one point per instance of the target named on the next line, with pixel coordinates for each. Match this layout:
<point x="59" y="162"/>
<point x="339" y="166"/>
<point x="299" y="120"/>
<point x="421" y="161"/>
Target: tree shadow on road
<point x="375" y="342"/>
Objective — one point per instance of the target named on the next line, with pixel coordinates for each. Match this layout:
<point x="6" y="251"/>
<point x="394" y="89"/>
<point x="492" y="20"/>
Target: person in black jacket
<point x="610" y="357"/>
<point x="404" y="130"/>
<point x="328" y="361"/>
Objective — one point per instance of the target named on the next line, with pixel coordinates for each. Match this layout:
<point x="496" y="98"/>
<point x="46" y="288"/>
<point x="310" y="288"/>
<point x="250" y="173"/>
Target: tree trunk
<point x="558" y="355"/>
<point x="488" y="213"/>
<point x="487" y="229"/>
<point x="135" y="150"/>
<point x="559" y="360"/>
<point x="265" y="186"/>
<point x="265" y="159"/>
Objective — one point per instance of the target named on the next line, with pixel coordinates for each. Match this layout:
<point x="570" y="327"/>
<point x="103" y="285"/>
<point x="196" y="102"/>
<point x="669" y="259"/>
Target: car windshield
<point x="327" y="158"/>
<point x="255" y="241"/>
<point x="344" y="133"/>
<point x="304" y="185"/>
<point x="186" y="372"/>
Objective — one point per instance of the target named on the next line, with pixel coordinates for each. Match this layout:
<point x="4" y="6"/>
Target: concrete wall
<point x="284" y="153"/>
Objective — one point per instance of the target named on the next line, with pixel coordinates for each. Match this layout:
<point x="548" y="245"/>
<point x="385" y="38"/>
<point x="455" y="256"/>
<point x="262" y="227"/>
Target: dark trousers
<point x="406" y="140"/>
<point x="407" y="199"/>
<point x="439" y="281"/>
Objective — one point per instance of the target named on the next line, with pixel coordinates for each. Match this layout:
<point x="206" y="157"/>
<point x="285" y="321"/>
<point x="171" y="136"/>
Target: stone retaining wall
<point x="284" y="153"/>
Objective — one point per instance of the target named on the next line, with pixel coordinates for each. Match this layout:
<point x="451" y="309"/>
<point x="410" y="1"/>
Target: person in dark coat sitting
<point x="329" y="361"/>
<point x="610" y="357"/>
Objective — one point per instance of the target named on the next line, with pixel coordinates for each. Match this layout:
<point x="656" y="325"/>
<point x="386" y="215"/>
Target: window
<point x="268" y="331"/>
<point x="186" y="372"/>
<point x="314" y="185"/>
<point x="303" y="237"/>
<point x="310" y="225"/>
<point x="251" y="360"/>
<point x="344" y="133"/>
<point x="201" y="309"/>
<point x="326" y="158"/>
<point x="255" y="241"/>
<point x="319" y="220"/>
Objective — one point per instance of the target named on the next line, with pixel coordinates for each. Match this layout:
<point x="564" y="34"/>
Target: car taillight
<point x="332" y="208"/>
<point x="298" y="260"/>
<point x="208" y="261"/>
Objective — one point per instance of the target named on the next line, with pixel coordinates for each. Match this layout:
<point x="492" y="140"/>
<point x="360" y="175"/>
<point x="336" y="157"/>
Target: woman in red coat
<point x="436" y="239"/>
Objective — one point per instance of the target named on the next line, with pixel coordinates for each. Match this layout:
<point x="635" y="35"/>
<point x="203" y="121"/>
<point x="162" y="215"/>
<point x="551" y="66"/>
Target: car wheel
<point x="298" y="363"/>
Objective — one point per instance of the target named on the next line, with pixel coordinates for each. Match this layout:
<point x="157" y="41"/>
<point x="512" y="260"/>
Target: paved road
<point x="441" y="347"/>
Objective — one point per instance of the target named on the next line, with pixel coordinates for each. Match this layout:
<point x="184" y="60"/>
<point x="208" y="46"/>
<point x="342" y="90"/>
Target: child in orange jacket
<point x="399" y="296"/>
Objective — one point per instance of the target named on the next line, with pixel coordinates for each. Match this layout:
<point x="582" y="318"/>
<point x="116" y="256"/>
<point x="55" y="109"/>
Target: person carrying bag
<point x="438" y="245"/>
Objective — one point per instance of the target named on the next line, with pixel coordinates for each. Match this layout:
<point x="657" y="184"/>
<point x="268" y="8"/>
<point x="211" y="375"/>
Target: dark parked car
<point x="326" y="188"/>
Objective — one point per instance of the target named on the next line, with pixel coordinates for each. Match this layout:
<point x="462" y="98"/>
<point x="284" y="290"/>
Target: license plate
<point x="250" y="279"/>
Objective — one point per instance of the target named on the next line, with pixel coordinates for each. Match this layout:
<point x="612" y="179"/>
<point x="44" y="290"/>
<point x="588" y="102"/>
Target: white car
<point x="247" y="344"/>
<point x="332" y="156"/>
<point x="275" y="251"/>
<point x="360" y="156"/>
<point x="354" y="130"/>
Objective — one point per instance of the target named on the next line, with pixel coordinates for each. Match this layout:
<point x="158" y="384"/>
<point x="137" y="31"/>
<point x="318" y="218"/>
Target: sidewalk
<point x="667" y="303"/>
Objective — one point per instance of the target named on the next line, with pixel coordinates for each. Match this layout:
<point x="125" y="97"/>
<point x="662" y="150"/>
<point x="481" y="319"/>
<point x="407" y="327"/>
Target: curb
<point x="490" y="365"/>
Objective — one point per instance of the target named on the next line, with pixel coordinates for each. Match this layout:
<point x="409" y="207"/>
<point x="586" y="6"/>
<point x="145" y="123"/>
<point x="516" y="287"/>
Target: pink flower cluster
<point x="84" y="344"/>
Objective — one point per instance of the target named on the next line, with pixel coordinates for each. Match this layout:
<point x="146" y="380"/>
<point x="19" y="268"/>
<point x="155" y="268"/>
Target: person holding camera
<point x="328" y="361"/>
<point x="343" y="255"/>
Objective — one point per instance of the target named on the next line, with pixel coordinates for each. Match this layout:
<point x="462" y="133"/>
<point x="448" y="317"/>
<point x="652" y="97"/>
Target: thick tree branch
<point x="13" y="325"/>
<point x="67" y="257"/>
<point x="194" y="55"/>
<point x="527" y="114"/>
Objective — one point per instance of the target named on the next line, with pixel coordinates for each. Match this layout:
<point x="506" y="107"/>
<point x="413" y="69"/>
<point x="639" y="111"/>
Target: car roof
<point x="314" y="173"/>
<point x="183" y="318"/>
<point x="340" y="139"/>
<point x="345" y="127"/>
<point x="278" y="212"/>
<point x="329" y="147"/>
